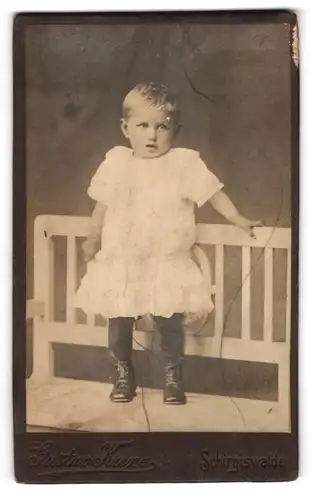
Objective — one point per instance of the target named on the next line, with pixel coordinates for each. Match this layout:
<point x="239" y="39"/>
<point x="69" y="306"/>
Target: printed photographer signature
<point x="109" y="457"/>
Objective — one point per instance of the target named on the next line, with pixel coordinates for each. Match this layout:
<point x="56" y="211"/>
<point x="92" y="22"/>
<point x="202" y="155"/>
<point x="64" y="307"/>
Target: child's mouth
<point x="151" y="146"/>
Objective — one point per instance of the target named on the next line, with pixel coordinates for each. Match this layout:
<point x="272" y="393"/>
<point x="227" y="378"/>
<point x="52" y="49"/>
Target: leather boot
<point x="173" y="393"/>
<point x="120" y="331"/>
<point x="124" y="386"/>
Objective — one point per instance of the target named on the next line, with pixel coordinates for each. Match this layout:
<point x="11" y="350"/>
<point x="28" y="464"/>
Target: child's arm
<point x="91" y="243"/>
<point x="222" y="203"/>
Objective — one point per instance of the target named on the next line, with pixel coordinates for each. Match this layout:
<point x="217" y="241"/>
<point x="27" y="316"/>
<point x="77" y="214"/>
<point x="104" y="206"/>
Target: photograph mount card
<point x="156" y="247"/>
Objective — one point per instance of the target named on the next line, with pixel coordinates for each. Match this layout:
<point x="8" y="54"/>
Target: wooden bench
<point x="72" y="404"/>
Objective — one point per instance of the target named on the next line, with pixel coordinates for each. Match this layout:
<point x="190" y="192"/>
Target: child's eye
<point x="143" y="125"/>
<point x="163" y="126"/>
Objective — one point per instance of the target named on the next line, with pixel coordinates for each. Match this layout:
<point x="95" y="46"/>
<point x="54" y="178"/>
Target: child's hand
<point x="222" y="203"/>
<point x="89" y="248"/>
<point x="248" y="225"/>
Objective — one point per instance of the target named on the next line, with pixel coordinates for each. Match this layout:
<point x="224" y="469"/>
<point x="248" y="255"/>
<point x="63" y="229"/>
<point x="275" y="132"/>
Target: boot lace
<point x="123" y="375"/>
<point x="170" y="376"/>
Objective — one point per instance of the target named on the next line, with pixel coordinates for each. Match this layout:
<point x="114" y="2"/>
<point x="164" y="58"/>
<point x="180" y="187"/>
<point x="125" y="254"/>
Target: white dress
<point x="145" y="265"/>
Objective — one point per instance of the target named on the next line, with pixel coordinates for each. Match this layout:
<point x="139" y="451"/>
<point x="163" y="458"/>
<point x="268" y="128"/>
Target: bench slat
<point x="288" y="295"/>
<point x="268" y="295"/>
<point x="44" y="271"/>
<point x="253" y="350"/>
<point x="219" y="296"/>
<point x="71" y="278"/>
<point x="209" y="234"/>
<point x="246" y="292"/>
<point x="223" y="234"/>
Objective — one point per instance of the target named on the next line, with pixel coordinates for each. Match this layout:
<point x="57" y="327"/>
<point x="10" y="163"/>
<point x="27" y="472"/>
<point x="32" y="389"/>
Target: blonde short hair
<point x="156" y="94"/>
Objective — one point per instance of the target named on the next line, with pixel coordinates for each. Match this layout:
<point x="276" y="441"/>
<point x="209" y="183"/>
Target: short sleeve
<point x="103" y="181"/>
<point x="199" y="183"/>
<point x="97" y="189"/>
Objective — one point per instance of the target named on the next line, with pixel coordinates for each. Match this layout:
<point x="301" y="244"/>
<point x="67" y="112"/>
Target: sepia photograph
<point x="159" y="209"/>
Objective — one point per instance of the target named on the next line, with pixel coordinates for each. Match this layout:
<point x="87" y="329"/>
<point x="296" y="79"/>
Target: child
<point x="145" y="218"/>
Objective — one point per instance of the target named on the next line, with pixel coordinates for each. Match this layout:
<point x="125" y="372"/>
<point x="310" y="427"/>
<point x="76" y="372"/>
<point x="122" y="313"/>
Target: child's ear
<point x="124" y="127"/>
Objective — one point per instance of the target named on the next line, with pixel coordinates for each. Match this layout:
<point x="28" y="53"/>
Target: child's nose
<point x="152" y="133"/>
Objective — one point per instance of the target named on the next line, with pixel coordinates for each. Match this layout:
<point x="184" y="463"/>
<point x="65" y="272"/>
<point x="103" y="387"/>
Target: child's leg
<point x="172" y="344"/>
<point x="120" y="338"/>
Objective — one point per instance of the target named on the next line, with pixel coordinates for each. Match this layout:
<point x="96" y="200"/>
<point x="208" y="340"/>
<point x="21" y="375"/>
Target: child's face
<point x="150" y="131"/>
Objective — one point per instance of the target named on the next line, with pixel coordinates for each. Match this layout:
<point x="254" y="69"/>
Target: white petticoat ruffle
<point x="160" y="287"/>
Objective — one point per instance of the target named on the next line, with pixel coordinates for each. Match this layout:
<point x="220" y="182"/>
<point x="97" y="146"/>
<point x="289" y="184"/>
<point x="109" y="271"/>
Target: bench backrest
<point x="219" y="236"/>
